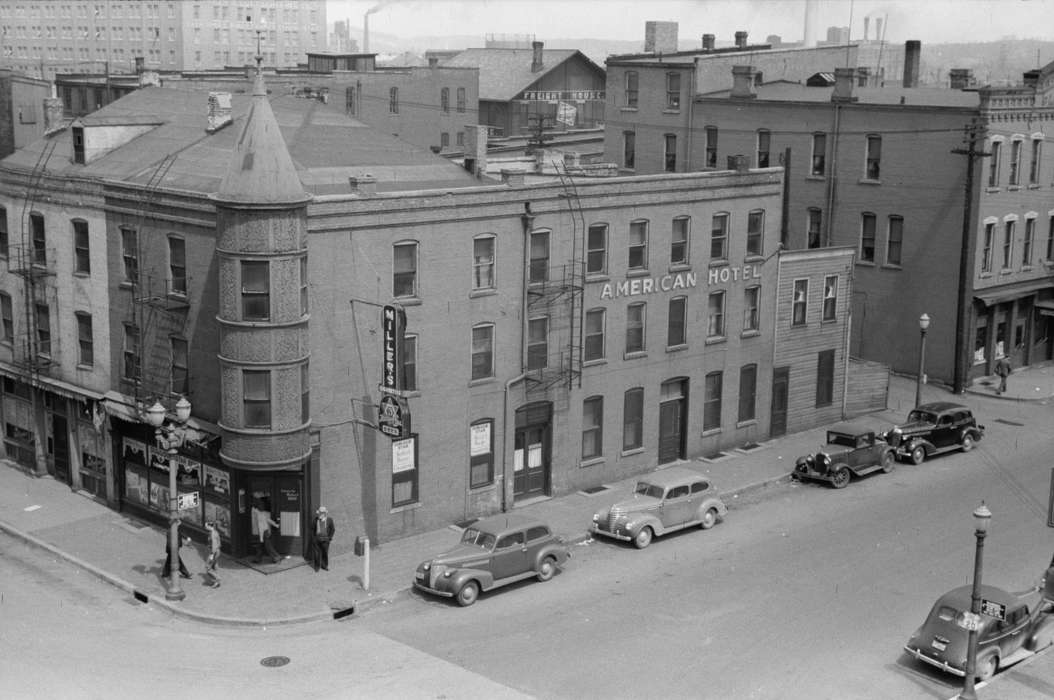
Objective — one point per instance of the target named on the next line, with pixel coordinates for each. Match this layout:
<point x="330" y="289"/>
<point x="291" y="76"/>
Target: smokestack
<point x="843" y="85"/>
<point x="366" y="33"/>
<point x="878" y="29"/>
<point x="536" y="58"/>
<point x="912" y="54"/>
<point x="867" y="23"/>
<point x="741" y="40"/>
<point x="809" y="34"/>
<point x="708" y="42"/>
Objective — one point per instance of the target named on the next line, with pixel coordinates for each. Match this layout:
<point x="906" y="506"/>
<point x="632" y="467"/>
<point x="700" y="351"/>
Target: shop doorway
<point x="531" y="458"/>
<point x="780" y="380"/>
<point x="281" y="495"/>
<point x="673" y="420"/>
<point x="59" y="440"/>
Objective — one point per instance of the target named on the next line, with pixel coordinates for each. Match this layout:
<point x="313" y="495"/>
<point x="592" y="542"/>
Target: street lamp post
<point x="981" y="517"/>
<point x="170" y="437"/>
<point x="924" y="323"/>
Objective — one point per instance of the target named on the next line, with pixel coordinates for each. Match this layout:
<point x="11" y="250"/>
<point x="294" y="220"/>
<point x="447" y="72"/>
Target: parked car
<point x="1019" y="625"/>
<point x="934" y="428"/>
<point x="852" y="450"/>
<point x="493" y="552"/>
<point x="667" y="500"/>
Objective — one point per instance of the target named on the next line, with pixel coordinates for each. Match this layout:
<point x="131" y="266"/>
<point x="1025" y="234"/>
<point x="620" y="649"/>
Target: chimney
<point x="476" y="149"/>
<point x="513" y="178"/>
<point x="743" y="83"/>
<point x="433" y="61"/>
<point x="774" y="40"/>
<point x="52" y="114"/>
<point x="843" y="85"/>
<point x="364" y="184"/>
<point x="912" y="53"/>
<point x="660" y="37"/>
<point x="741" y="40"/>
<point x="536" y="57"/>
<point x="809" y="33"/>
<point x="708" y="42"/>
<point x="366" y="33"/>
<point x="867" y="24"/>
<point x="219" y="114"/>
<point x="878" y="29"/>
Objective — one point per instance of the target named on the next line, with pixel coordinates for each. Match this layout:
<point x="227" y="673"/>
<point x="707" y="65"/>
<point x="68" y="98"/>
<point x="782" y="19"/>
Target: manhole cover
<point x="274" y="661"/>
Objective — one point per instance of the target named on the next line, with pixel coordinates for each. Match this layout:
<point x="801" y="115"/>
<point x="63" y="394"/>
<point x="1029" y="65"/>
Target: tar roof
<point x="671" y="476"/>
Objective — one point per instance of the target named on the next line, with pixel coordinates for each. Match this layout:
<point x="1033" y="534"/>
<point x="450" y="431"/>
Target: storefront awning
<point x="1009" y="292"/>
<point x="56" y="386"/>
<point x="1046" y="308"/>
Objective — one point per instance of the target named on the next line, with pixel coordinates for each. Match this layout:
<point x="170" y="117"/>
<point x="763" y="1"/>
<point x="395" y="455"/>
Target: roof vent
<point x="219" y="111"/>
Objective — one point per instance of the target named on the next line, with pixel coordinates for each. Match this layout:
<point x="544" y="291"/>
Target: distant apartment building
<point x="42" y="38"/>
<point x="23" y="115"/>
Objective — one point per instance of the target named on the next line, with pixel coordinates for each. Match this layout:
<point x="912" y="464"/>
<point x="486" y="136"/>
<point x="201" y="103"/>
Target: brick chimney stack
<point x="536" y="58"/>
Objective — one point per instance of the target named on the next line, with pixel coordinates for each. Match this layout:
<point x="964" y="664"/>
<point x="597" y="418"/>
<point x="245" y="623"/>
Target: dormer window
<point x="78" y="144"/>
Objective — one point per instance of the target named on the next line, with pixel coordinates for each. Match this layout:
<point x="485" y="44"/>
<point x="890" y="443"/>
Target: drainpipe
<point x="832" y="178"/>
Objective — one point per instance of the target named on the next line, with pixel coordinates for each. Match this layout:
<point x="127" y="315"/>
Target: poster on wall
<point x="159" y="496"/>
<point x="134" y="451"/>
<point x="402" y="455"/>
<point x="136" y="487"/>
<point x="479" y="440"/>
<point x="221" y="515"/>
<point x="217" y="482"/>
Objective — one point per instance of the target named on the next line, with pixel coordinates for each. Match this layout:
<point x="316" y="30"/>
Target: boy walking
<point x="214" y="554"/>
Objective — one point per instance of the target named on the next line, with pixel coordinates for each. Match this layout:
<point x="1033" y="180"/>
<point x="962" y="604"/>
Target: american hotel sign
<point x="681" y="280"/>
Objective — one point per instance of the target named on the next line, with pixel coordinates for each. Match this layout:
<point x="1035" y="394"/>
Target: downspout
<point x="691" y="118"/>
<point x="848" y="327"/>
<point x="527" y="219"/>
<point x="832" y="180"/>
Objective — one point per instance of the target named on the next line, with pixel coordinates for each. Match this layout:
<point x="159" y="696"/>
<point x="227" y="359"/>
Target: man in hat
<point x="323" y="533"/>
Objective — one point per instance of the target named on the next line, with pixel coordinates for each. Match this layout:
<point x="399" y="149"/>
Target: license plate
<point x="939" y="645"/>
<point x="420" y="576"/>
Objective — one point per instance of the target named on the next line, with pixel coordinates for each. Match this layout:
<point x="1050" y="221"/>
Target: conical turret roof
<point x="261" y="170"/>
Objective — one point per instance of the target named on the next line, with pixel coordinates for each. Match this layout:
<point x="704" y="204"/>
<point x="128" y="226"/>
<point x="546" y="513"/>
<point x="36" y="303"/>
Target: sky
<point x="930" y="21"/>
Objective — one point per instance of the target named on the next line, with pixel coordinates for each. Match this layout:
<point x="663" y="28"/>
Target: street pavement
<point x="130" y="553"/>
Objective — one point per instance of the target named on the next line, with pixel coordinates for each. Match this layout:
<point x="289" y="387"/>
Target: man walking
<point x="264" y="523"/>
<point x="169" y="566"/>
<point x="1002" y="370"/>
<point x="323" y="531"/>
<point x="214" y="554"/>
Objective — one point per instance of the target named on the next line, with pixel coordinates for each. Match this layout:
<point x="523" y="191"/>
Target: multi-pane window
<point x="800" y="302"/>
<point x="1026" y="246"/>
<point x="830" y="297"/>
<point x="7" y="318"/>
<point x="715" y="320"/>
<point x="256" y="399"/>
<point x="629" y="149"/>
<point x="444" y="100"/>
<point x="1050" y="238"/>
<point x="748" y="390"/>
<point x="594" y="335"/>
<point x="996" y="151"/>
<point x="676" y="326"/>
<point x="130" y="254"/>
<point x="814" y="227"/>
<point x="539" y="262"/>
<point x="256" y="290"/>
<point x="711" y="147"/>
<point x="393" y="100"/>
<point x="38" y="239"/>
<point x="1033" y="168"/>
<point x="824" y="378"/>
<point x="130" y="354"/>
<point x="483" y="262"/>
<point x="597" y="249"/>
<point x="404" y="270"/>
<point x="751" y="309"/>
<point x="633" y="419"/>
<point x="764" y="147"/>
<point x="43" y="315"/>
<point x="593" y="427"/>
<point x="444" y="140"/>
<point x="712" y="401"/>
<point x="483" y="351"/>
<point x="635" y="320"/>
<point x="631" y="88"/>
<point x="755" y="231"/>
<point x="177" y="265"/>
<point x="461" y="99"/>
<point x="85" y="341"/>
<point x="81" y="249"/>
<point x="679" y="240"/>
<point x="989" y="243"/>
<point x="895" y="240"/>
<point x="1015" y="161"/>
<point x="180" y="366"/>
<point x="410" y="363"/>
<point x="818" y="165"/>
<point x="638" y="245"/>
<point x="5" y="240"/>
<point x="873" y="157"/>
<point x="669" y="147"/>
<point x="719" y="237"/>
<point x="303" y="286"/>
<point x="538" y="342"/>
<point x="673" y="91"/>
<point x="1008" y="243"/>
<point x="481" y="454"/>
<point x="305" y="393"/>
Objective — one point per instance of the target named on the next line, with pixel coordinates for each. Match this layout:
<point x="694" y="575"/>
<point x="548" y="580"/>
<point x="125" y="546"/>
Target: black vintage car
<point x="852" y="450"/>
<point x="933" y="428"/>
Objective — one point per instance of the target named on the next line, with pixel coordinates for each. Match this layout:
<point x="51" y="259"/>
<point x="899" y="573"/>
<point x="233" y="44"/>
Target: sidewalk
<point x="129" y="553"/>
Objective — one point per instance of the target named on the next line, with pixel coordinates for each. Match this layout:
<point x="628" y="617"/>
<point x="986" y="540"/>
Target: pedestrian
<point x="180" y="540"/>
<point x="1003" y="370"/>
<point x="323" y="532"/>
<point x="264" y="523"/>
<point x="214" y="554"/>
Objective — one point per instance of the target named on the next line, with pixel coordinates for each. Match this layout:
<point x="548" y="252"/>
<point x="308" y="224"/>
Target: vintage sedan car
<point x="493" y="552"/>
<point x="1016" y="626"/>
<point x="667" y="500"/>
<point x="934" y="428"/>
<point x="852" y="449"/>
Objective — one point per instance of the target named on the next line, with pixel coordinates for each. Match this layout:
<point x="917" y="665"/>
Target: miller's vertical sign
<point x="393" y="321"/>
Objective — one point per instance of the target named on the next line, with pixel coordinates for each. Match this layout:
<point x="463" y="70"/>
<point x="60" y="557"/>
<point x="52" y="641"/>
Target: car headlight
<point x="448" y="574"/>
<point x="824" y="459"/>
<point x="596" y="517"/>
<point x="427" y="566"/>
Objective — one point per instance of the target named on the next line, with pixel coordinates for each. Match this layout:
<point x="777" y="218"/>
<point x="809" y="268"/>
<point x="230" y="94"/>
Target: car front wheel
<point x="967" y="443"/>
<point x="643" y="538"/>
<point x="709" y="518"/>
<point x="468" y="594"/>
<point x="888" y="463"/>
<point x="546" y="569"/>
<point x="987" y="667"/>
<point x="841" y="478"/>
<point x="918" y="455"/>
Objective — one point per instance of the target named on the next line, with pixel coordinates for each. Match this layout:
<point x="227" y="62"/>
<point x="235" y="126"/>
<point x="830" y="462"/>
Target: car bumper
<point x="811" y="474"/>
<point x="942" y="665"/>
<point x="434" y="591"/>
<point x="597" y="530"/>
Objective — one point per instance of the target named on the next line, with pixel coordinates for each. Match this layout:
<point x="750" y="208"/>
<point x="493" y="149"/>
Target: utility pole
<point x="538" y="125"/>
<point x="974" y="131"/>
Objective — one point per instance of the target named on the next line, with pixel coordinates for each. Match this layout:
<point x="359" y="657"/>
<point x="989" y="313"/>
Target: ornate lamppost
<point x="924" y="323"/>
<point x="170" y="437"/>
<point x="981" y="518"/>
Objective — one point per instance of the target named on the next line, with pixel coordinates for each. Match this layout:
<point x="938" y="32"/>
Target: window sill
<point x="715" y="339"/>
<point x="488" y="292"/>
<point x="747" y="423"/>
<point x="816" y="178"/>
<point x="1026" y="268"/>
<point x="591" y="462"/>
<point x="482" y="488"/>
<point x="709" y="432"/>
<point x="866" y="263"/>
<point x="1013" y="188"/>
<point x="720" y="262"/>
<point x="677" y="348"/>
<point x="81" y="274"/>
<point x="892" y="266"/>
<point x="990" y="190"/>
<point x="866" y="181"/>
<point x="85" y="368"/>
<point x="595" y="363"/>
<point x="631" y="452"/>
<point x="828" y="321"/>
<point x="635" y="355"/>
<point x="671" y="110"/>
<point x="1033" y="186"/>
<point x="597" y="277"/>
<point x="404" y="508"/>
<point x="481" y="381"/>
<point x="679" y="267"/>
<point x="628" y="109"/>
<point x="1006" y="271"/>
<point x="754" y="258"/>
<point x="637" y="272"/>
<point x="802" y="326"/>
<point x="408" y="301"/>
<point x="985" y="275"/>
<point x="753" y="333"/>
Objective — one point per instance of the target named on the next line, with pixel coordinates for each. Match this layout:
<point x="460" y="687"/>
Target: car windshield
<point x="646" y="489"/>
<point x="482" y="539"/>
<point x="921" y="417"/>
